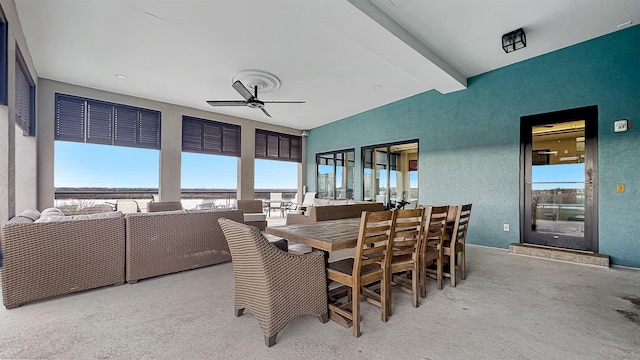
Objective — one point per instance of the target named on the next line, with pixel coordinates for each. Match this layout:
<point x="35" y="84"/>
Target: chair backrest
<point x="275" y="199"/>
<point x="308" y="198"/>
<point x="459" y="233"/>
<point x="164" y="206"/>
<point x="373" y="240"/>
<point x="408" y="227"/>
<point x="249" y="206"/>
<point x="127" y="206"/>
<point x="435" y="226"/>
<point x="249" y="251"/>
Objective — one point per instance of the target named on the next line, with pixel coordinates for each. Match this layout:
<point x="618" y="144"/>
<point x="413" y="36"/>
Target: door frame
<point x="590" y="115"/>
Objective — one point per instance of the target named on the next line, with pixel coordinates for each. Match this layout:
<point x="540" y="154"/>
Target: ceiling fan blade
<point x="284" y="102"/>
<point x="226" y="102"/>
<point x="265" y="111"/>
<point x="242" y="90"/>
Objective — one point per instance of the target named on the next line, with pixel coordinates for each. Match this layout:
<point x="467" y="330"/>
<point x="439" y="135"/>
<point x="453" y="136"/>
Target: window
<point x="276" y="146"/>
<point x="86" y="131"/>
<point x="209" y="170"/>
<point x="210" y="137"/>
<point x="335" y="173"/>
<point x="390" y="173"/>
<point x="99" y="122"/>
<point x="25" y="97"/>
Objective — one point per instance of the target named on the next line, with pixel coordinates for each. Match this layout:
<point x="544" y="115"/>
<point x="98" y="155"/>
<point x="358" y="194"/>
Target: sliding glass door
<point x="390" y="173"/>
<point x="335" y="173"/>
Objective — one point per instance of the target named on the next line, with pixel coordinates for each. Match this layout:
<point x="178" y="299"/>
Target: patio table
<point x="329" y="235"/>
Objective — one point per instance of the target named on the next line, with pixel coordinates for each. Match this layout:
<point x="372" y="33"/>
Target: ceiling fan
<point x="250" y="100"/>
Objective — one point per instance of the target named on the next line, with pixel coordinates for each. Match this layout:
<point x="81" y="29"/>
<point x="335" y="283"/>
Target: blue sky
<point x="558" y="173"/>
<point x="92" y="165"/>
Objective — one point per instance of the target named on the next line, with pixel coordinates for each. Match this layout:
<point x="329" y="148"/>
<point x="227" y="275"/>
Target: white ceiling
<point x="331" y="53"/>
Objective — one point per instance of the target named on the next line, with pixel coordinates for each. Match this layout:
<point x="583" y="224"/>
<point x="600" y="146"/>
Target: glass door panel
<point x="326" y="177"/>
<point x="390" y="174"/>
<point x="559" y="183"/>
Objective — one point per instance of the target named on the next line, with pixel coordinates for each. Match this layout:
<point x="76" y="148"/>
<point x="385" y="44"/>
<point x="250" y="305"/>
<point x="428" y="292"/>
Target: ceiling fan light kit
<point x="255" y="80"/>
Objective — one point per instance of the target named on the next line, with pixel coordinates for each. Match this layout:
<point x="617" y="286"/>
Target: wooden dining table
<point x="328" y="235"/>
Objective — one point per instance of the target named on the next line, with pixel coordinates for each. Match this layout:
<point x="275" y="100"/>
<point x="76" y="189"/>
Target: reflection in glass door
<point x="390" y="174"/>
<point x="559" y="181"/>
<point x="335" y="172"/>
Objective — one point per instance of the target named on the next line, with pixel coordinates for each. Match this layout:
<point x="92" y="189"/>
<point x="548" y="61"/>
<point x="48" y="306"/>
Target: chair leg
<point x="422" y="273"/>
<point x="324" y="317"/>
<point x="355" y="311"/>
<point x="463" y="265"/>
<point x="385" y="297"/>
<point x="439" y="272"/>
<point x="452" y="268"/>
<point x="270" y="340"/>
<point x="415" y="286"/>
<point x="239" y="311"/>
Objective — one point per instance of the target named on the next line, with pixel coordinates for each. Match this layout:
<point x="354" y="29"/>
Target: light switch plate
<point x="620" y="125"/>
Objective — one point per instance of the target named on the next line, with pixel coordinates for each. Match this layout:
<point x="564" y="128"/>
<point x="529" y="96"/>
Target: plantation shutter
<point x="100" y="122"/>
<point x="25" y="98"/>
<point x="277" y="146"/>
<point x="210" y="137"/>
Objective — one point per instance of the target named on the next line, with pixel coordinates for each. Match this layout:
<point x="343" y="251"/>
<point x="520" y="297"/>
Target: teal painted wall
<point x="469" y="140"/>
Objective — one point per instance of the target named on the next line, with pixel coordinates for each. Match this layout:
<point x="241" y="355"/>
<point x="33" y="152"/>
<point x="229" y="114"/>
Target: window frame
<point x="335" y="164"/>
<point x="4" y="58"/>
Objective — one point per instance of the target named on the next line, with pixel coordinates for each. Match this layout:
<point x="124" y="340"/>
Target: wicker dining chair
<point x="274" y="285"/>
<point x="435" y="226"/>
<point x="406" y="243"/>
<point x="456" y="244"/>
<point x="367" y="267"/>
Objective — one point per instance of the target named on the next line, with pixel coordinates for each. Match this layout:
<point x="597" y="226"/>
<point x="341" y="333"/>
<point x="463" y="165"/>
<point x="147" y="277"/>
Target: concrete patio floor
<point x="509" y="307"/>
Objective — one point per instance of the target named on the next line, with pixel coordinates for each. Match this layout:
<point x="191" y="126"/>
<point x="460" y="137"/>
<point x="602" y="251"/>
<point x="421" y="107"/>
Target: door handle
<point x="589" y="174"/>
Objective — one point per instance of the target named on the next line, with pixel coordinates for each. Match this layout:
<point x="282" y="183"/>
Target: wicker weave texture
<point x="274" y="285"/>
<point x="42" y="260"/>
<point x="164" y="243"/>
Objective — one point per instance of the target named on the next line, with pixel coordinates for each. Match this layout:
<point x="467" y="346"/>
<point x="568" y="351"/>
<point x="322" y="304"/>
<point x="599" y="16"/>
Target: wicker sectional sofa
<point x="46" y="259"/>
<point x="167" y="242"/>
<point x="43" y="259"/>
<point x="333" y="212"/>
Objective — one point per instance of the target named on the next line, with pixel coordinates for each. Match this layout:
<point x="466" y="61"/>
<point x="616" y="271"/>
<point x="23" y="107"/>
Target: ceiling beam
<point x="441" y="75"/>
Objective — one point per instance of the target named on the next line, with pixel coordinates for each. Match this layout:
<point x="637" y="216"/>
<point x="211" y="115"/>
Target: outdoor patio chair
<point x="275" y="202"/>
<point x="274" y="285"/>
<point x="435" y="227"/>
<point x="368" y="267"/>
<point x="127" y="206"/>
<point x="456" y="245"/>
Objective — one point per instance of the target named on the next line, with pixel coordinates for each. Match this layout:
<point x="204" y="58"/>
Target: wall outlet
<point x="506" y="227"/>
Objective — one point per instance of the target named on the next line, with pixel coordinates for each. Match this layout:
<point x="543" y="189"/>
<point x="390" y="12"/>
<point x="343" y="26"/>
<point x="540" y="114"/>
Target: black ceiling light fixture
<point x="514" y="40"/>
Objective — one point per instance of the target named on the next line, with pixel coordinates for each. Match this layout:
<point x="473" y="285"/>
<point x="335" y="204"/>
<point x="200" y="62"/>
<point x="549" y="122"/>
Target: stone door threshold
<point x="574" y="256"/>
